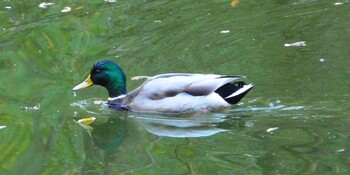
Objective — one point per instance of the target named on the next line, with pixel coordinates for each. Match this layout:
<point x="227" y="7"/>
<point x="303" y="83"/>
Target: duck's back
<point x="180" y="92"/>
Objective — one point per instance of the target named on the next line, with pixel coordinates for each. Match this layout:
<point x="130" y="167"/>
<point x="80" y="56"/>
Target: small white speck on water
<point x="341" y="150"/>
<point x="31" y="108"/>
<point x="225" y="31"/>
<point x="66" y="9"/>
<point x="272" y="129"/>
<point x="338" y="3"/>
<point x="248" y="155"/>
<point x="322" y="60"/>
<point x="252" y="101"/>
<point x="74" y="93"/>
<point x="295" y="44"/>
<point x="44" y="5"/>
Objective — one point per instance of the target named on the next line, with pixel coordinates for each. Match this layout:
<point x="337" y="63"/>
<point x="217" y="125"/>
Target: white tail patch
<point x="239" y="91"/>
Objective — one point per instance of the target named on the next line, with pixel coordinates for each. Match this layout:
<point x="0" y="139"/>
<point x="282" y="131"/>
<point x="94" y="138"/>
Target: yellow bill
<point x="84" y="84"/>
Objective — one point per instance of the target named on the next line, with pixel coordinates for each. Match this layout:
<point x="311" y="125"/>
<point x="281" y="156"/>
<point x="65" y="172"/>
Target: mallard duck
<point x="164" y="93"/>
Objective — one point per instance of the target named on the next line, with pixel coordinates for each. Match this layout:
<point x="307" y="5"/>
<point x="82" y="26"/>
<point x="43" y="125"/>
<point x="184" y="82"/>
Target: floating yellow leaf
<point x="234" y="3"/>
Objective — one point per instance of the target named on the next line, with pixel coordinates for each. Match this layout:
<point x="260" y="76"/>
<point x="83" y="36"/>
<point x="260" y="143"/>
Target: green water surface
<point x="295" y="120"/>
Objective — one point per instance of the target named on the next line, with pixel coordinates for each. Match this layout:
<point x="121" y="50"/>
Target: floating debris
<point x="87" y="121"/>
<point x="234" y="3"/>
<point x="341" y="150"/>
<point x="158" y="21"/>
<point x="44" y="5"/>
<point x="29" y="108"/>
<point x="110" y="1"/>
<point x="80" y="7"/>
<point x="8" y="7"/>
<point x="74" y="93"/>
<point x="296" y="44"/>
<point x="338" y="3"/>
<point x="66" y="9"/>
<point x="225" y="31"/>
<point x="272" y="129"/>
<point x="322" y="60"/>
<point x="3" y="127"/>
<point x="248" y="155"/>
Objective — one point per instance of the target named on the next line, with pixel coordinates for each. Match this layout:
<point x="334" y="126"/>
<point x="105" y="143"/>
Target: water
<point x="294" y="121"/>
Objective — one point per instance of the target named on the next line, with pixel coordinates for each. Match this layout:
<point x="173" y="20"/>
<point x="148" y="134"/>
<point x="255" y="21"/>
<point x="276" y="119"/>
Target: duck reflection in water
<point x="180" y="127"/>
<point x="109" y="135"/>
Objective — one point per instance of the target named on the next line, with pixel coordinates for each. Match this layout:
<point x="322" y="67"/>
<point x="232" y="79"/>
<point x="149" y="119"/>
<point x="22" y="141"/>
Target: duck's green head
<point x="107" y="74"/>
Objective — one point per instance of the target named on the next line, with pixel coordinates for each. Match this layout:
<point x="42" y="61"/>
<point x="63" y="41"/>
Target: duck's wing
<point x="168" y="85"/>
<point x="207" y="86"/>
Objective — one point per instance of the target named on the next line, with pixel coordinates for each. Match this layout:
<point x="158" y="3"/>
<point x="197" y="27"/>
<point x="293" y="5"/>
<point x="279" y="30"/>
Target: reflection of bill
<point x="107" y="136"/>
<point x="85" y="123"/>
<point x="181" y="127"/>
